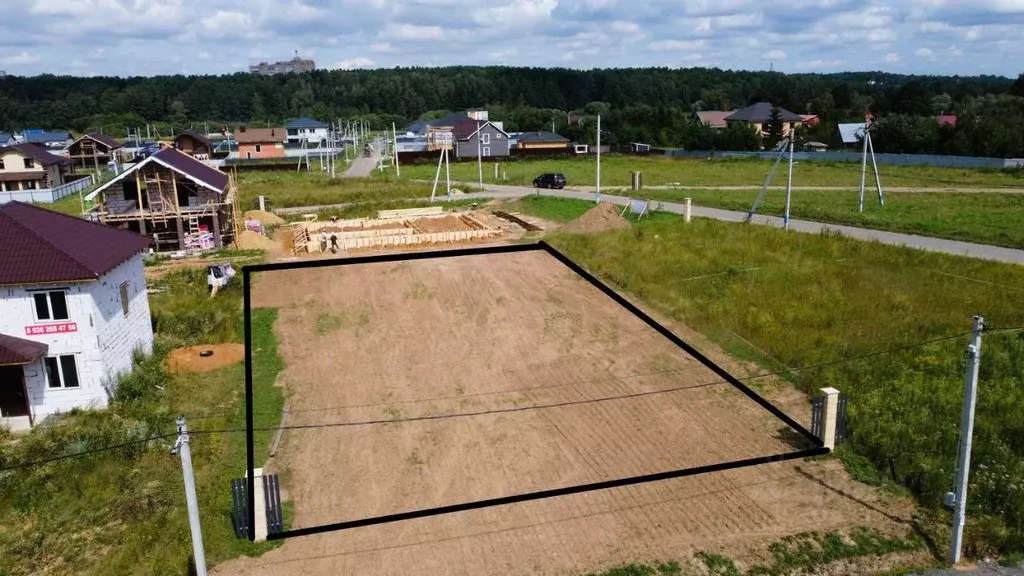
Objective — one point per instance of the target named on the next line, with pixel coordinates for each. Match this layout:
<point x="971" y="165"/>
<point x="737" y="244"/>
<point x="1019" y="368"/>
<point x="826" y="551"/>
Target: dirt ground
<point x="189" y="360"/>
<point x="600" y="218"/>
<point x="447" y="223"/>
<point x="502" y="334"/>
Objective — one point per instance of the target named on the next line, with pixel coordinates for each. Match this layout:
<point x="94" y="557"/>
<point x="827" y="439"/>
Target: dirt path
<point x="393" y="341"/>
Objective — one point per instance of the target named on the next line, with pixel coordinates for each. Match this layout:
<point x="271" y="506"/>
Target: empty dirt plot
<point x="506" y="335"/>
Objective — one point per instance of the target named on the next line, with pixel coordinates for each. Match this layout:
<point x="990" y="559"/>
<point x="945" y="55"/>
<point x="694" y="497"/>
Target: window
<point x="259" y="148"/>
<point x="485" y="138"/>
<point x="30" y="184"/>
<point x="486" y="151"/>
<point x="51" y="305"/>
<point x="30" y="163"/>
<point x="61" y="371"/>
<point x="1" y="164"/>
<point x="124" y="297"/>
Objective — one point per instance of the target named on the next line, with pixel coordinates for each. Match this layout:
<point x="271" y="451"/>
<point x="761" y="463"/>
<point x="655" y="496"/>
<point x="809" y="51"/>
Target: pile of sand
<point x="265" y="218"/>
<point x="250" y="240"/>
<point x="605" y="216"/>
<point x="189" y="360"/>
<point x="448" y="223"/>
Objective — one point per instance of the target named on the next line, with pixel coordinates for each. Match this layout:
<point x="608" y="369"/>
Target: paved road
<point x="984" y="251"/>
<point x="955" y="247"/>
<point x="363" y="166"/>
<point x="979" y="569"/>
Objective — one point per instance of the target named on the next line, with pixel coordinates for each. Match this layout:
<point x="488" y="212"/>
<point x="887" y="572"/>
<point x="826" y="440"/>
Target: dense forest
<point x="653" y="105"/>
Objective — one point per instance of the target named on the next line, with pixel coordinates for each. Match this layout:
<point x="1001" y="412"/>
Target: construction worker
<point x="323" y="241"/>
<point x="334" y="243"/>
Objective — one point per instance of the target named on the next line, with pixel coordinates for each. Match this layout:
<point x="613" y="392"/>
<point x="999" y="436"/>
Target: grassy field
<point x="123" y="511"/>
<point x="791" y="300"/>
<point x="286" y="189"/>
<point x="984" y="218"/>
<point x="616" y="169"/>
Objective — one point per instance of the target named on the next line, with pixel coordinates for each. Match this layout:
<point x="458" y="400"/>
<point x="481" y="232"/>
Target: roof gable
<point x="102" y="139"/>
<point x="38" y="153"/>
<point x="195" y="136"/>
<point x="714" y="118"/>
<point x="762" y="112"/>
<point x="246" y="135"/>
<point x="196" y="171"/>
<point x="468" y="128"/>
<point x="39" y="246"/>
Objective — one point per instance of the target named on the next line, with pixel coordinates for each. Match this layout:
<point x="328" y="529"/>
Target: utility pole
<point x="863" y="169"/>
<point x="479" y="155"/>
<point x="958" y="500"/>
<point x="789" y="181"/>
<point x="394" y="133"/>
<point x="182" y="448"/>
<point x="598" y="189"/>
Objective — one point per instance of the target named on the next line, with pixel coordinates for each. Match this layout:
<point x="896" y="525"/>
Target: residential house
<point x="759" y="115"/>
<point x="256" y="143"/>
<point x="53" y="141"/>
<point x="31" y="167"/>
<point x="73" y="309"/>
<point x="194" y="144"/>
<point x="541" y="140"/>
<point x="296" y="64"/>
<point x="481" y="137"/>
<point x="7" y="139"/>
<point x="92" y="150"/>
<point x="439" y="132"/>
<point x="811" y="120"/>
<point x="178" y="201"/>
<point x="713" y="118"/>
<point x="946" y="120"/>
<point x="313" y="132"/>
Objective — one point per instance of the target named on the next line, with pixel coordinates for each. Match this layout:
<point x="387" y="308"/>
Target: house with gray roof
<point x="758" y="116"/>
<point x="50" y="140"/>
<point x="313" y="132"/>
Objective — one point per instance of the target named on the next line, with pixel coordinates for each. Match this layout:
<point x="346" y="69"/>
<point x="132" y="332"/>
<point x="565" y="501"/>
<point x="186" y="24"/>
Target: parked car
<point x="550" y="180"/>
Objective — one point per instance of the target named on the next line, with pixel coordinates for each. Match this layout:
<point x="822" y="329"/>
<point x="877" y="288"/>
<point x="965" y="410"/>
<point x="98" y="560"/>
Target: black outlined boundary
<point x="817" y="449"/>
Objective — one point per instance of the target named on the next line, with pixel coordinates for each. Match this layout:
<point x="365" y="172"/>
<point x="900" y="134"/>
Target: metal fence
<point x="883" y="159"/>
<point x="46" y="195"/>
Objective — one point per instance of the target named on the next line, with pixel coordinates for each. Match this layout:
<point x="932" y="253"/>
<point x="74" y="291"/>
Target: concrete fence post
<point x="830" y="417"/>
<point x="260" y="529"/>
<point x="687" y="213"/>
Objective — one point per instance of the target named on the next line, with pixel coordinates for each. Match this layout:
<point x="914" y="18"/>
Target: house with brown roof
<point x="92" y="150"/>
<point x="255" y="143"/>
<point x="179" y="202"/>
<point x="73" y="310"/>
<point x="194" y="144"/>
<point x="712" y="118"/>
<point x="31" y="167"/>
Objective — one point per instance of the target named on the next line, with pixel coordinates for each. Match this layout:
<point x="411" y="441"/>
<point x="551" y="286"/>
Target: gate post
<point x="830" y="417"/>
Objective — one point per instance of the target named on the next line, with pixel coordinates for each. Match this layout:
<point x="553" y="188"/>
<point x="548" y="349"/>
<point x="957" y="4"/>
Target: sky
<point x="152" y="37"/>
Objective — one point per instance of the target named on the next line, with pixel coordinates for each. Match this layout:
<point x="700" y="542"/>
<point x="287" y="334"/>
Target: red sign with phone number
<point x="43" y="329"/>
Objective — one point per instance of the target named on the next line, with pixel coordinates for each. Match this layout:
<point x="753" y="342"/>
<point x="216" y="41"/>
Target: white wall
<point x="102" y="343"/>
<point x="310" y="135"/>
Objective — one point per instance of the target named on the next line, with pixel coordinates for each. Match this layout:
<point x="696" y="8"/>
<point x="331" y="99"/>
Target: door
<point x="12" y="392"/>
<point x="487" y="151"/>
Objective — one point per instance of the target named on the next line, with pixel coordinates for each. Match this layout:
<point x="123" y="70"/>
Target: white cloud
<point x="675" y="45"/>
<point x="624" y="26"/>
<point x="516" y="13"/>
<point x="892" y="57"/>
<point x="925" y="53"/>
<point x="774" y="55"/>
<point x="20" y="59"/>
<point x="412" y="32"/>
<point x="352" y="63"/>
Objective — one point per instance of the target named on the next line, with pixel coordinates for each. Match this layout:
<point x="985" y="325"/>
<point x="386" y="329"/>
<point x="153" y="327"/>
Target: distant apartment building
<point x="296" y="64"/>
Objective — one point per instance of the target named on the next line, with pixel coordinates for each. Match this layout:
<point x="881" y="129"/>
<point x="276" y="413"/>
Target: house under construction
<point x="182" y="203"/>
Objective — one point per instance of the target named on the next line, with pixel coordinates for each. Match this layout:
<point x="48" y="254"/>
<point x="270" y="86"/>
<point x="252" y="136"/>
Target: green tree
<point x="773" y="131"/>
<point x="258" y="111"/>
<point x="1017" y="89"/>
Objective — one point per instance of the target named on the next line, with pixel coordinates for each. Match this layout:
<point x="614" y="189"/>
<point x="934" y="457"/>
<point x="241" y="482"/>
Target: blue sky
<point x="147" y="37"/>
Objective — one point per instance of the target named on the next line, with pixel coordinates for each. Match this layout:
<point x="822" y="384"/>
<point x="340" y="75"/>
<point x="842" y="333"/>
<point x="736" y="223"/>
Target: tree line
<point x="651" y="105"/>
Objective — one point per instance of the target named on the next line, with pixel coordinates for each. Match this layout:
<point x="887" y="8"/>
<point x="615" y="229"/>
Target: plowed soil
<point x="503" y="334"/>
<point x="189" y="360"/>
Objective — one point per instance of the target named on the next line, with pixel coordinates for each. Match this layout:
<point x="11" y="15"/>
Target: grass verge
<point x="287" y="189"/>
<point x="808" y="300"/>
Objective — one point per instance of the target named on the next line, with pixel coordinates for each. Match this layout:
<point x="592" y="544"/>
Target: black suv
<point x="551" y="180"/>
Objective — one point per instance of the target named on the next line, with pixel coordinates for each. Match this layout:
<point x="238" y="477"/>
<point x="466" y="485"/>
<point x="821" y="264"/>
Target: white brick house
<point x="73" y="308"/>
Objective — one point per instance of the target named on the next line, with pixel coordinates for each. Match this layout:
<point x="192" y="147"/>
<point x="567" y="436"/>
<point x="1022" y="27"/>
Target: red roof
<point x="39" y="246"/>
<point x="946" y="120"/>
<point x="15" y="351"/>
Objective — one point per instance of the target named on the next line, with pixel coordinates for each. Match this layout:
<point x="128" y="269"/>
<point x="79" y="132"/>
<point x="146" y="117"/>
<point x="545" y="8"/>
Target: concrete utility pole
<point x="181" y="447"/>
<point x="958" y="500"/>
<point x="394" y="134"/>
<point x="479" y="155"/>
<point x="598" y="189"/>
<point x="789" y="183"/>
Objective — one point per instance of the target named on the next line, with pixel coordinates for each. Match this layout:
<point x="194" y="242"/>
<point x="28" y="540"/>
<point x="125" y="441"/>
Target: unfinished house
<point x="92" y="150"/>
<point x="178" y="201"/>
<point x="194" y="144"/>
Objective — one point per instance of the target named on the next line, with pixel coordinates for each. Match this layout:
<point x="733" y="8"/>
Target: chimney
<point x="241" y="129"/>
<point x="271" y="132"/>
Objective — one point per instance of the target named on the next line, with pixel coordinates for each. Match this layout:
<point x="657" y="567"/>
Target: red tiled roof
<point x="38" y="153"/>
<point x="15" y="351"/>
<point x="103" y="139"/>
<point x="39" y="245"/>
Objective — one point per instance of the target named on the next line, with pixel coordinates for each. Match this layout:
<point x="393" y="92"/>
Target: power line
<point x="516" y="409"/>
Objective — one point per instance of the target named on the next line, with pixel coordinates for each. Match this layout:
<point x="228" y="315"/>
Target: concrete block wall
<point x="118" y="335"/>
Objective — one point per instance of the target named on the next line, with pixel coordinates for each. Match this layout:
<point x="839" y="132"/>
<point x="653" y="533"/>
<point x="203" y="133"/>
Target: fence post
<point x="828" y="428"/>
<point x="687" y="212"/>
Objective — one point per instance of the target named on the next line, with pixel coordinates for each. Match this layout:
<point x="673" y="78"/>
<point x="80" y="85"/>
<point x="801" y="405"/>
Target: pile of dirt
<point x="265" y="218"/>
<point x="449" y="223"/>
<point x="250" y="240"/>
<point x="603" y="217"/>
<point x="189" y="360"/>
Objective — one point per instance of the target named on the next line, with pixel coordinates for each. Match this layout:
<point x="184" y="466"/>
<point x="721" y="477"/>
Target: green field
<point x="123" y="511"/>
<point x="616" y="169"/>
<point x="287" y="189"/>
<point x="986" y="218"/>
<point x="788" y="300"/>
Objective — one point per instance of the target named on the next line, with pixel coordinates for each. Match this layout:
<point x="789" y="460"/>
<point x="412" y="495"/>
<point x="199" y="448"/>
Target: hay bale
<point x="601" y="218"/>
<point x="265" y="218"/>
